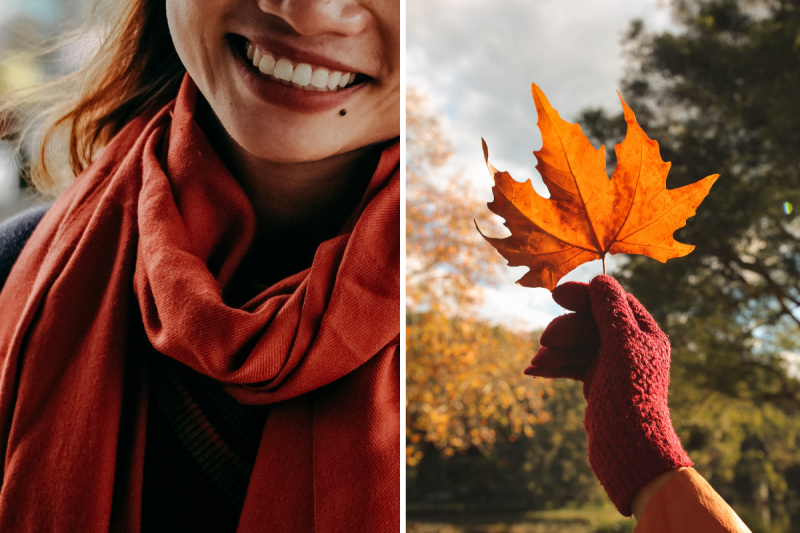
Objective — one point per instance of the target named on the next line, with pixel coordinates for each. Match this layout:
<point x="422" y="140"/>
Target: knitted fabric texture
<point x="139" y="252"/>
<point x="625" y="382"/>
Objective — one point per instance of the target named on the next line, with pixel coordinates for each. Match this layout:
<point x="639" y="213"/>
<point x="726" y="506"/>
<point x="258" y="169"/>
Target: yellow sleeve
<point x="687" y="503"/>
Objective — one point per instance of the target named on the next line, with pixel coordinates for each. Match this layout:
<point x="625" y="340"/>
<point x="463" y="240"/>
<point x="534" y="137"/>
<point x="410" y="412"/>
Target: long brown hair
<point x="135" y="71"/>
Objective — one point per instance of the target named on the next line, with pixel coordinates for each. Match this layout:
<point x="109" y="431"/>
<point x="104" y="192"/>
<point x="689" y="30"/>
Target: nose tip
<point x="311" y="17"/>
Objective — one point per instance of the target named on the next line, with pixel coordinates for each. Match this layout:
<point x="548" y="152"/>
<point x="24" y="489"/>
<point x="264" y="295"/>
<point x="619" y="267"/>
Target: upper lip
<point x="299" y="56"/>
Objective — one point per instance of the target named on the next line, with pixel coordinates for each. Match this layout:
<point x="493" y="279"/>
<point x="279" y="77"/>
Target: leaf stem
<point x="604" y="264"/>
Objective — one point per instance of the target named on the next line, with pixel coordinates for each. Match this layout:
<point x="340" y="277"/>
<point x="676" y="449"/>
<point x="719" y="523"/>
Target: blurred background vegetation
<point x="488" y="445"/>
<point x="29" y="30"/>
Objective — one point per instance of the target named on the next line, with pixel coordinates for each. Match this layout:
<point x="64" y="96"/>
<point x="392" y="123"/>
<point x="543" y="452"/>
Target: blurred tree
<point x="547" y="470"/>
<point x="442" y="270"/>
<point x="478" y="430"/>
<point x="720" y="97"/>
<point x="465" y="386"/>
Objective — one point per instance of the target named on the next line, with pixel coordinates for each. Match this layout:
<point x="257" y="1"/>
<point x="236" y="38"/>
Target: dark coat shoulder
<point x="14" y="233"/>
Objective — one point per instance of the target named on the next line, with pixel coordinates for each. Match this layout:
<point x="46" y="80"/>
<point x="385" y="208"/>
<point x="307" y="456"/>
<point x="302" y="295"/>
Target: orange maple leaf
<point x="588" y="215"/>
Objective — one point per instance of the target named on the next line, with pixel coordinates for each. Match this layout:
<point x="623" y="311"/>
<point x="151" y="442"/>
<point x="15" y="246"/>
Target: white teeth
<point x="283" y="69"/>
<point x="267" y="64"/>
<point x="300" y="75"/>
<point x="320" y="78"/>
<point x="333" y="79"/>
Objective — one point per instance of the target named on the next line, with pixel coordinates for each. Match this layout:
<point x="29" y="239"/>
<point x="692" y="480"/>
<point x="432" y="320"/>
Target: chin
<point x="296" y="143"/>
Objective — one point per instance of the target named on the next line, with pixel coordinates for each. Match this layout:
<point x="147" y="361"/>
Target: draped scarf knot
<point x="136" y="255"/>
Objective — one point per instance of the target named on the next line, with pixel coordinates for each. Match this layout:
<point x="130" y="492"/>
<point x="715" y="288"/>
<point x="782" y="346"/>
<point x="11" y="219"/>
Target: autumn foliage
<point x="465" y="385"/>
<point x="443" y="271"/>
<point x="719" y="94"/>
<point x="588" y="215"/>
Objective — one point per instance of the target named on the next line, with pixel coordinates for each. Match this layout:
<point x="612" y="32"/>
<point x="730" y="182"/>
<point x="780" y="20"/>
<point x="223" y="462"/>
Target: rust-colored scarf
<point x="141" y="247"/>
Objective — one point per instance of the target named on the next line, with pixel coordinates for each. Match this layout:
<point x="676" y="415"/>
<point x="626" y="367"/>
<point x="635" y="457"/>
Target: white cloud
<point x="477" y="60"/>
<point x="519" y="307"/>
<point x="526" y="308"/>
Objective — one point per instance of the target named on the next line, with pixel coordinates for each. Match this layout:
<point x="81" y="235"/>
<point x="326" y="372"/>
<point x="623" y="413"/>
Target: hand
<point x="616" y="348"/>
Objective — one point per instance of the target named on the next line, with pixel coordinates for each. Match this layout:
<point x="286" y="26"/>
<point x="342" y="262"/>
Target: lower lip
<point x="289" y="97"/>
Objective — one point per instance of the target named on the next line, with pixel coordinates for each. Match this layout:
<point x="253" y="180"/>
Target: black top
<point x="201" y="444"/>
<point x="14" y="233"/>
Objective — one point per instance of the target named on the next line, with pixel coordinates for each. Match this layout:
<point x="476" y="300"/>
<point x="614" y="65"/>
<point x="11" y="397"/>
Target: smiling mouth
<point x="304" y="76"/>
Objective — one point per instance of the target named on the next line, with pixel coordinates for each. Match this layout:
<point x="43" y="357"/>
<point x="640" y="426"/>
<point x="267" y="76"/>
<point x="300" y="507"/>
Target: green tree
<point x="720" y="96"/>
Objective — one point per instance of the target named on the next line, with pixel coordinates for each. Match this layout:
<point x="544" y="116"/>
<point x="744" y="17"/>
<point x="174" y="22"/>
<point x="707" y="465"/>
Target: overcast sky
<point x="476" y="59"/>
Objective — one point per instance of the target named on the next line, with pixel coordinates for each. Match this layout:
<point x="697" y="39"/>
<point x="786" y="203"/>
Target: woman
<point x="202" y="333"/>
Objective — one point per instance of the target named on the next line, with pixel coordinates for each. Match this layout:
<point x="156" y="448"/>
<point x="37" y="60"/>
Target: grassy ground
<point x="417" y="527"/>
<point x="588" y="520"/>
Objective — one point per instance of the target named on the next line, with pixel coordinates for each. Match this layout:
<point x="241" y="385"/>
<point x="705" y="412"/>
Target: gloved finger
<point x="574" y="296"/>
<point x="610" y="306"/>
<point x="645" y="320"/>
<point x="576" y="372"/>
<point x="569" y="330"/>
<point x="574" y="355"/>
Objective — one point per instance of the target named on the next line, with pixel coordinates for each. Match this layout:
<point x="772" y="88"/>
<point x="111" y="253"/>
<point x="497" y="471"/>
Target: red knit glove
<point x="615" y="347"/>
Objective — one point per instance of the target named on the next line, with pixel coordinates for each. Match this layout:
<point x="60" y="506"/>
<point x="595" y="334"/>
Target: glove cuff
<point x="626" y="463"/>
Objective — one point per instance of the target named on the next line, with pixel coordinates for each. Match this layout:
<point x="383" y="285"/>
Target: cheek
<point x="192" y="27"/>
<point x="389" y="107"/>
<point x="389" y="114"/>
<point x="179" y="21"/>
<point x="388" y="17"/>
<point x="386" y="109"/>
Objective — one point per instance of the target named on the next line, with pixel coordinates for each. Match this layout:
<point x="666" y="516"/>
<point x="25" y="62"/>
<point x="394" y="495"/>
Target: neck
<point x="297" y="205"/>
